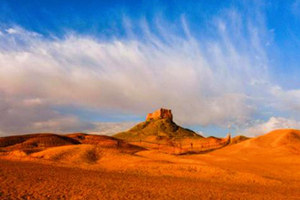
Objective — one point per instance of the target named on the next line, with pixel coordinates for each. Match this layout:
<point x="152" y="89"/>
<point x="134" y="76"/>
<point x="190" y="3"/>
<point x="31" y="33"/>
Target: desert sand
<point x="101" y="167"/>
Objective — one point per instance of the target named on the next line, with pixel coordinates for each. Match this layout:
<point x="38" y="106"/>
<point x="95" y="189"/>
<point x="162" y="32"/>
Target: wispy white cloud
<point x="204" y="81"/>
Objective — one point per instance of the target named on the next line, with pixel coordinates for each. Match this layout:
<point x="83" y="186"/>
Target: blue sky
<point x="72" y="65"/>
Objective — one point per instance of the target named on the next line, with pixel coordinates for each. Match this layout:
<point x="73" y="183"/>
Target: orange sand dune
<point x="266" y="167"/>
<point x="42" y="139"/>
<point x="34" y="142"/>
<point x="278" y="143"/>
<point x="37" y="142"/>
<point x="104" y="141"/>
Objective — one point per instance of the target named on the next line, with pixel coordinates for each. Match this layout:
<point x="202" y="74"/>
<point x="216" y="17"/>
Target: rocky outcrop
<point x="159" y="125"/>
<point x="160" y="114"/>
<point x="227" y="139"/>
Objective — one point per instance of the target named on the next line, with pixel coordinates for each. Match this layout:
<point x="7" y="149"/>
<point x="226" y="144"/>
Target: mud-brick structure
<point x="160" y="114"/>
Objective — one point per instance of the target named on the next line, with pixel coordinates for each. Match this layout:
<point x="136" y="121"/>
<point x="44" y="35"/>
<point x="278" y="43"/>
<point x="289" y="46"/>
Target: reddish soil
<point x="28" y="180"/>
<point x="266" y="167"/>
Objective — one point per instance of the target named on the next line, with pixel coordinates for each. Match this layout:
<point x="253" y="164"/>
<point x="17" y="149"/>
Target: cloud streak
<point x="204" y="81"/>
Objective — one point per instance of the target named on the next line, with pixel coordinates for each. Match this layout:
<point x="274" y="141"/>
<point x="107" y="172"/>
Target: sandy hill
<point x="282" y="138"/>
<point x="43" y="138"/>
<point x="104" y="141"/>
<point x="282" y="143"/>
<point x="34" y="142"/>
<point x="77" y="154"/>
<point x="289" y="138"/>
<point x="158" y="126"/>
<point x="37" y="142"/>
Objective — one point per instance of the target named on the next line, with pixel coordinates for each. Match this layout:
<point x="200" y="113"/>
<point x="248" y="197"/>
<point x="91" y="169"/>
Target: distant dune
<point x="35" y="142"/>
<point x="288" y="138"/>
<point x="278" y="139"/>
<point x="105" y="141"/>
<point x="278" y="144"/>
<point x="38" y="142"/>
<point x="42" y="139"/>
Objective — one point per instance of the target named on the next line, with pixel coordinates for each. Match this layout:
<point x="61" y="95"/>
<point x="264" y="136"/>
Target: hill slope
<point x="105" y="142"/>
<point x="37" y="142"/>
<point x="278" y="143"/>
<point x="156" y="130"/>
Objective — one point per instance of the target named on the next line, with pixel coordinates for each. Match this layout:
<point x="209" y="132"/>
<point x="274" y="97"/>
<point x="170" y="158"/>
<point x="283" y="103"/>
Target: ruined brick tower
<point x="160" y="114"/>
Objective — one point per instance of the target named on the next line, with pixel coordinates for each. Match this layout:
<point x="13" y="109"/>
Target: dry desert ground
<point x="265" y="167"/>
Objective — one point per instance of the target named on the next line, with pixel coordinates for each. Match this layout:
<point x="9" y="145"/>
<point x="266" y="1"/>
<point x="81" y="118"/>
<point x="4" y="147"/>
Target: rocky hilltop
<point x="158" y="125"/>
<point x="160" y="114"/>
